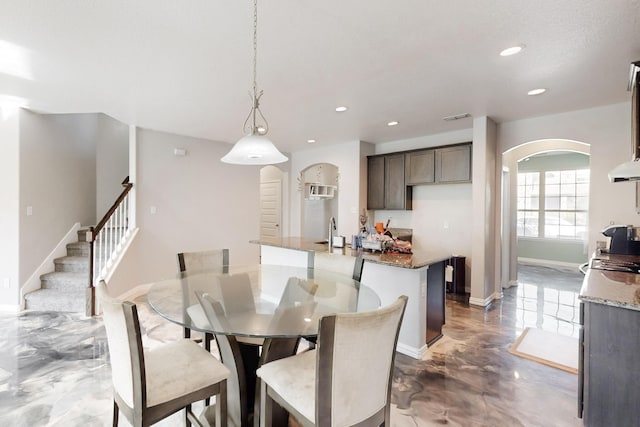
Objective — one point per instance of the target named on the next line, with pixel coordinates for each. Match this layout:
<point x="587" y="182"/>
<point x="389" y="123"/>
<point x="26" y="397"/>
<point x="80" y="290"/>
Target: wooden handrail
<point x="127" y="187"/>
<point x="91" y="298"/>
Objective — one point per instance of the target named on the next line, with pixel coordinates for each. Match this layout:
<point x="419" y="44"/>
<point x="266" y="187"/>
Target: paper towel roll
<point x="448" y="273"/>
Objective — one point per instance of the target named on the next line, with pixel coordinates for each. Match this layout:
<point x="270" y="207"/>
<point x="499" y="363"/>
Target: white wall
<point x="347" y="158"/>
<point x="608" y="132"/>
<point x="57" y="179"/>
<point x="200" y="203"/>
<point x="112" y="161"/>
<point x="485" y="250"/>
<point x="9" y="213"/>
<point x="442" y="214"/>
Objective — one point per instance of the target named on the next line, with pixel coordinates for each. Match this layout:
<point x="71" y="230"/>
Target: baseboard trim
<point x="416" y="353"/>
<point x="134" y="293"/>
<point x="483" y="302"/>
<point x="548" y="263"/>
<point x="10" y="308"/>
<point x="33" y="283"/>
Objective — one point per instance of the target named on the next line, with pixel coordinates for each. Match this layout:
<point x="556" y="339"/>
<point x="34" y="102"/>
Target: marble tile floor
<point x="54" y="368"/>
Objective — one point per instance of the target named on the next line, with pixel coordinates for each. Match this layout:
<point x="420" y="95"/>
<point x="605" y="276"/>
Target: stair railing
<point x="106" y="240"/>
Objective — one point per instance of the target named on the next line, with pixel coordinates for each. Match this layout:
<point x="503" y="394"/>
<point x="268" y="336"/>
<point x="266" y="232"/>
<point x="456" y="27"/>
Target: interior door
<point x="270" y="209"/>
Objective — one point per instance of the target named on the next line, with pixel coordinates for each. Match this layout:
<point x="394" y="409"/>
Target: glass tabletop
<point x="263" y="301"/>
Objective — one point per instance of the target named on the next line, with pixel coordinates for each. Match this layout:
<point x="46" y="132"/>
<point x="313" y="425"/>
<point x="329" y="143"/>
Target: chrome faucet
<point x="332" y="226"/>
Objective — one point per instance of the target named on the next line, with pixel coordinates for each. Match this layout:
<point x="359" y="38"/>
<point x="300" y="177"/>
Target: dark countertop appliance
<point x="625" y="239"/>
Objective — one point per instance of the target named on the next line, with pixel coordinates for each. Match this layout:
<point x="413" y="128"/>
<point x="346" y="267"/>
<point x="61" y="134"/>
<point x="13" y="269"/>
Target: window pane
<point x="582" y="176"/>
<point x="552" y="203"/>
<point x="568" y="177"/>
<point x="551" y="224"/>
<point x="527" y="224"/>
<point x="552" y="177"/>
<point x="566" y="196"/>
<point x="532" y="203"/>
<point x="567" y="190"/>
<point x="552" y="190"/>
<point x="568" y="203"/>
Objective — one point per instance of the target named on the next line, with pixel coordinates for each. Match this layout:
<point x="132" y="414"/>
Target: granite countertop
<point x="418" y="259"/>
<point x="615" y="288"/>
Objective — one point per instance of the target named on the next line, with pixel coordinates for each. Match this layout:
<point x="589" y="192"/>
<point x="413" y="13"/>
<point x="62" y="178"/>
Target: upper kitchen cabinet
<point x="375" y="183"/>
<point x="453" y="164"/>
<point x="420" y="167"/>
<point x="386" y="187"/>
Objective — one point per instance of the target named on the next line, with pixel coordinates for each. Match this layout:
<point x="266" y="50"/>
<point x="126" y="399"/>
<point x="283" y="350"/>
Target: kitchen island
<point x="419" y="276"/>
<point x="608" y="393"/>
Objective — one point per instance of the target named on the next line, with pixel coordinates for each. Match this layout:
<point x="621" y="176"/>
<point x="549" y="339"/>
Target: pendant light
<point x="255" y="148"/>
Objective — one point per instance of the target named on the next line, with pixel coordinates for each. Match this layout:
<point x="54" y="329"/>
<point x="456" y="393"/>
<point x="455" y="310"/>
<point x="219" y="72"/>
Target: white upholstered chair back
<point x="354" y="366"/>
<point x="125" y="348"/>
<point x="194" y="262"/>
<point x="229" y="354"/>
<point x="338" y="263"/>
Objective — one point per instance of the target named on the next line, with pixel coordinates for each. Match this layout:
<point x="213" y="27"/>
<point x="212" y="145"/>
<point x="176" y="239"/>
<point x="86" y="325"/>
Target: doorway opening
<point x="545" y="206"/>
<point x="319" y="185"/>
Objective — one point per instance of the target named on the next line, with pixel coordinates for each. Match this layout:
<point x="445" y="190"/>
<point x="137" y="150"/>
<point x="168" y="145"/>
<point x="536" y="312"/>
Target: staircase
<point x="64" y="289"/>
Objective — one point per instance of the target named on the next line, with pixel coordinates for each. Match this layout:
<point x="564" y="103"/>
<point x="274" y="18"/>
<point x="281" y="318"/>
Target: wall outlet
<point x="153" y="210"/>
<point x="446" y="225"/>
<point x="29" y="210"/>
<point x="6" y="283"/>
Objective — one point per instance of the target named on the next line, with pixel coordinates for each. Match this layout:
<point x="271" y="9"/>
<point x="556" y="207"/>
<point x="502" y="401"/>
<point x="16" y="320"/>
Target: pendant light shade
<point x="255" y="148"/>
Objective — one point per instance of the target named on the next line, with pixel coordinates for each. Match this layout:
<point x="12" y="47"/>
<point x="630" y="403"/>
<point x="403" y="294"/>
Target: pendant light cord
<point x="255" y="96"/>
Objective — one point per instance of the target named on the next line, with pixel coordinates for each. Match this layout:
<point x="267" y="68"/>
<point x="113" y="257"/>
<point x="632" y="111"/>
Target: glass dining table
<point x="257" y="314"/>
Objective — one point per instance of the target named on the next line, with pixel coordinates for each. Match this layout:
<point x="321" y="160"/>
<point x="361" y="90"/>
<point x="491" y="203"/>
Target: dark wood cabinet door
<point x="420" y="167"/>
<point x="611" y="366"/>
<point x="453" y="164"/>
<point x="395" y="188"/>
<point x="375" y="183"/>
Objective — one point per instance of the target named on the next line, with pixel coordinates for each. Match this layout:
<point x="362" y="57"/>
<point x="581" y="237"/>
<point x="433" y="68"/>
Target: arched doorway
<point x="319" y="186"/>
<point x="511" y="212"/>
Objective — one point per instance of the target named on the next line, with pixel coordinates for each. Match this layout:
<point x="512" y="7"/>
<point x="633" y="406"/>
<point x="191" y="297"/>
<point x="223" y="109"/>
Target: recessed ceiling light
<point x="392" y="123"/>
<point x="533" y="92"/>
<point x="512" y="50"/>
<point x="341" y="109"/>
<point x="310" y="141"/>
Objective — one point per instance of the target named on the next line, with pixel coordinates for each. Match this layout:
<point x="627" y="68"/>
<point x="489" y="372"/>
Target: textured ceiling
<point x="185" y="66"/>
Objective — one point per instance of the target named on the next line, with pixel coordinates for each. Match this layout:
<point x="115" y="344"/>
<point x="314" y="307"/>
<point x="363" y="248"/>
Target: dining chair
<point x="337" y="263"/>
<point x="344" y="264"/>
<point x="198" y="262"/>
<point x="346" y="381"/>
<point x="231" y="356"/>
<point x="149" y="385"/>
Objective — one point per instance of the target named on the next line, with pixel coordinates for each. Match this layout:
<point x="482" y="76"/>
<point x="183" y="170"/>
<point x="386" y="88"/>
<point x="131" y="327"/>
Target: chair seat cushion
<point x="294" y="379"/>
<point x="178" y="368"/>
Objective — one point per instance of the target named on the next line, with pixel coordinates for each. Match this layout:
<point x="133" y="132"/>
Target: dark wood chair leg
<point x="116" y="412"/>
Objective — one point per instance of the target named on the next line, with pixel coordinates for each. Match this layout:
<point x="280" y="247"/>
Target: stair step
<point x="78" y="249"/>
<point x="82" y="234"/>
<point x="75" y="264"/>
<point x="55" y="300"/>
<point x="68" y="281"/>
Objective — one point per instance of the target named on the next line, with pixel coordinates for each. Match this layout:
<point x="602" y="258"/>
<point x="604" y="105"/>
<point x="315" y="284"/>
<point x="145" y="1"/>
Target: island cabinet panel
<point x="435" y="302"/>
<point x="453" y="164"/>
<point x="420" y="167"/>
<point x="610" y="367"/>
